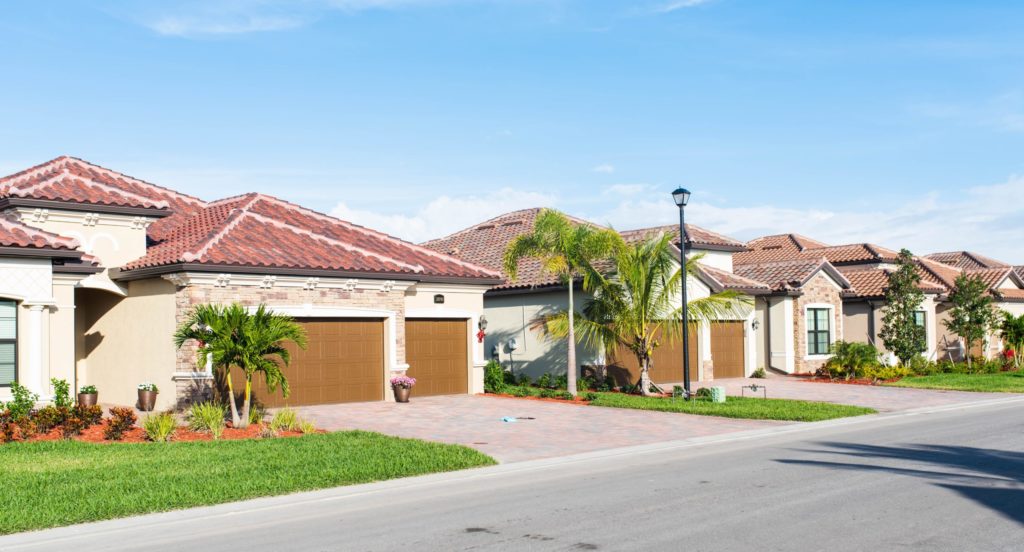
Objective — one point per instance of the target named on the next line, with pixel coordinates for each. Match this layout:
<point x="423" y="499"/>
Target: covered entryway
<point x="437" y="351"/>
<point x="666" y="362"/>
<point x="343" y="362"/>
<point x="727" y="349"/>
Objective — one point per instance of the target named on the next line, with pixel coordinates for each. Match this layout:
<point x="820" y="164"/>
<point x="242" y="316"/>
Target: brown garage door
<point x="437" y="353"/>
<point x="727" y="349"/>
<point x="667" y="362"/>
<point x="343" y="362"/>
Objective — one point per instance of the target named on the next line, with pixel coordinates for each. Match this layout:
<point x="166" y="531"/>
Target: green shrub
<point x="589" y="396"/>
<point x="523" y="380"/>
<point x="607" y="384"/>
<point x="495" y="377"/>
<point x="74" y="426"/>
<point x="307" y="427"/>
<point x="90" y="415"/>
<point x="877" y="373"/>
<point x="88" y="390"/>
<point x="920" y="366"/>
<point x="61" y="393"/>
<point x="518" y="391"/>
<point x="546" y="380"/>
<point x="257" y="414"/>
<point x="285" y="419"/>
<point x="564" y="395"/>
<point x="160" y="427"/>
<point x="850" y="359"/>
<point x="760" y="373"/>
<point x="121" y="420"/>
<point x="22" y="402"/>
<point x="208" y="417"/>
<point x="561" y="382"/>
<point x="49" y="417"/>
<point x="548" y="393"/>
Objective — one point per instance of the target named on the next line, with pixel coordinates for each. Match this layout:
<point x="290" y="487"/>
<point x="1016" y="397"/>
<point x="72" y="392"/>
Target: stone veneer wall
<point x="820" y="289"/>
<point x="188" y="296"/>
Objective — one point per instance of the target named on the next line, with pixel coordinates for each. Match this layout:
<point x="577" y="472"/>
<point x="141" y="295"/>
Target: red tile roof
<point x="789" y="275"/>
<point x="72" y="180"/>
<point x="875" y="282"/>
<point x="991" y="276"/>
<point x="698" y="237"/>
<point x="720" y="280"/>
<point x="260" y="231"/>
<point x="790" y="247"/>
<point x="16" y="234"/>
<point x="966" y="259"/>
<point x="1011" y="295"/>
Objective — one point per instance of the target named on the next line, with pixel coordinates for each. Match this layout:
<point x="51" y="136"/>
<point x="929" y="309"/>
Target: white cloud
<point x="679" y="5"/>
<point x="445" y="214"/>
<point x="604" y="168"/>
<point x="236" y="24"/>
<point x="1004" y="112"/>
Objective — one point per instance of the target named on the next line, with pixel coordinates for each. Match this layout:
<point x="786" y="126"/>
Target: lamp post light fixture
<point x="681" y="196"/>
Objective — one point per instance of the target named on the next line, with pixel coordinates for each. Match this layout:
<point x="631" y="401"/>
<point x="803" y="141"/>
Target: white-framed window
<point x="819" y="321"/>
<point x="8" y="342"/>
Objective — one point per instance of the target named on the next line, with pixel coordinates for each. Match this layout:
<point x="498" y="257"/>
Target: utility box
<point x="718" y="394"/>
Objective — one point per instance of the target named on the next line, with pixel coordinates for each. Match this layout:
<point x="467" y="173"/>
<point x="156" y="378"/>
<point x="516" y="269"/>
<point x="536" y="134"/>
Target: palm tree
<point x="1011" y="330"/>
<point x="567" y="250"/>
<point x="253" y="341"/>
<point x="640" y="299"/>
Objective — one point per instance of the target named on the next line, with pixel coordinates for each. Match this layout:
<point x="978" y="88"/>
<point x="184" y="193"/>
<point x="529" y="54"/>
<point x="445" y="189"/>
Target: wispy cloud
<point x="605" y="168"/>
<point x="1003" y="112"/>
<point x="676" y="5"/>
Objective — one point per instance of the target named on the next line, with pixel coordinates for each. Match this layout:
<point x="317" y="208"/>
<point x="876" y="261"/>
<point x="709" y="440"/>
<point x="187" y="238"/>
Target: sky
<point x="897" y="123"/>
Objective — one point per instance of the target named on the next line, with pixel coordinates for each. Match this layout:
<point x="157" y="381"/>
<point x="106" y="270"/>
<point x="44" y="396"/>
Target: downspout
<point x="768" y="332"/>
<point x="871" y="323"/>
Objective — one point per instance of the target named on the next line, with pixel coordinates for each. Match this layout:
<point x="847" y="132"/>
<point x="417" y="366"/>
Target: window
<point x="8" y="342"/>
<point x="819" y="331"/>
<point x="920" y="319"/>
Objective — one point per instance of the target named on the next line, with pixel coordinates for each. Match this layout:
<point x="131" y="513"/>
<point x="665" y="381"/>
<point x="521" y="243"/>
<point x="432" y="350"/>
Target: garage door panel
<point x="666" y="361"/>
<point x="437" y="354"/>
<point x="343" y="362"/>
<point x="727" y="349"/>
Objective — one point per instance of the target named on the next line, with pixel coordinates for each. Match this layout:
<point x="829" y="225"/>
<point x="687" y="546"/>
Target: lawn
<point x="737" y="407"/>
<point x="1003" y="382"/>
<point x="48" y="484"/>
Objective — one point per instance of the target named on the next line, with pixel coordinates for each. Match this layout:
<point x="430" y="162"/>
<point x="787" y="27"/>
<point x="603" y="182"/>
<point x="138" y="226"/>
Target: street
<point x="951" y="480"/>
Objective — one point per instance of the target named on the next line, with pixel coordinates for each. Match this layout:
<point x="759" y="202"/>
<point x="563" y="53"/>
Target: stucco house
<point x="722" y="349"/>
<point x="98" y="268"/>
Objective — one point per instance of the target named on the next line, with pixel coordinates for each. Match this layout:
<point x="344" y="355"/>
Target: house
<point x="99" y="268"/>
<point x="723" y="349"/>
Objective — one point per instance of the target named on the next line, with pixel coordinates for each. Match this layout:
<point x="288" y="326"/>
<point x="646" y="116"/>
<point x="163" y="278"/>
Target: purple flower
<point x="405" y="382"/>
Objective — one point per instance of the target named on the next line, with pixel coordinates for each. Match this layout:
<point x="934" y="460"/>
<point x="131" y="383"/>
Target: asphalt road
<point x="942" y="481"/>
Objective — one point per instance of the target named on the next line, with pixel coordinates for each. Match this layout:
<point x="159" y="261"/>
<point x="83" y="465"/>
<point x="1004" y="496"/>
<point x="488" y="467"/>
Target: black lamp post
<point x="682" y="196"/>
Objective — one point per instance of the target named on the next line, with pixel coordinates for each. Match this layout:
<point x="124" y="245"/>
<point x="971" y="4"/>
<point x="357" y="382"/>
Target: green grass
<point x="48" y="484"/>
<point x="1003" y="382"/>
<point x="737" y="407"/>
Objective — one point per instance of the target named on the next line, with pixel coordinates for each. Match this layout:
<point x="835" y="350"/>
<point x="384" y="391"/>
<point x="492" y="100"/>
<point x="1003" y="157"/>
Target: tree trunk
<point x="645" y="376"/>
<point x="571" y="367"/>
<point x="244" y="422"/>
<point x="231" y="397"/>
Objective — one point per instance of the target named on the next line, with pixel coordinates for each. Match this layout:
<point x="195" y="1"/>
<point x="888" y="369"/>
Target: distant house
<point x="723" y="349"/>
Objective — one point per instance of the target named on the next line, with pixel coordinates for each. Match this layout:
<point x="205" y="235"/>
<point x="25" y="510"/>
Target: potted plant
<point x="147" y="396"/>
<point x="402" y="386"/>
<point x="87" y="395"/>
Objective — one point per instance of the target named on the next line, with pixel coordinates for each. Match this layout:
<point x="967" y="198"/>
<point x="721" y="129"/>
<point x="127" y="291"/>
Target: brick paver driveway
<point x="882" y="399"/>
<point x="556" y="430"/>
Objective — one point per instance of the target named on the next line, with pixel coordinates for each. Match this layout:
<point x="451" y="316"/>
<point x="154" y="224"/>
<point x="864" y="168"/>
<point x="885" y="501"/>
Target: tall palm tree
<point x="253" y="341"/>
<point x="640" y="298"/>
<point x="567" y="250"/>
<point x="1011" y="330"/>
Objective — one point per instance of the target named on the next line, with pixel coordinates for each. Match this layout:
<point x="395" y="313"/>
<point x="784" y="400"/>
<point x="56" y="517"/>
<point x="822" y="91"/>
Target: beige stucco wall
<point x="124" y="341"/>
<point x="721" y="260"/>
<point x="857" y="326"/>
<point x="115" y="239"/>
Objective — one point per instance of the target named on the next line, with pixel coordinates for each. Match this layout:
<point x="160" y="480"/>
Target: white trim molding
<point x="269" y="281"/>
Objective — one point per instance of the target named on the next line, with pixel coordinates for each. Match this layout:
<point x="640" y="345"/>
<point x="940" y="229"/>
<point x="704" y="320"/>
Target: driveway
<point x="882" y="399"/>
<point x="555" y="430"/>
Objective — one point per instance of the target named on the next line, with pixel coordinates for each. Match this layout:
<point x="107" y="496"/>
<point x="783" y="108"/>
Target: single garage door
<point x="727" y="349"/>
<point x="343" y="362"/>
<point x="438" y="357"/>
<point x="667" y="361"/>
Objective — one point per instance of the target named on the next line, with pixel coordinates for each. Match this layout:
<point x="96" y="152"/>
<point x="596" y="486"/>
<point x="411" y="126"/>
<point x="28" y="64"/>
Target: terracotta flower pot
<point x="147" y="400"/>
<point x="87" y="399"/>
<point x="402" y="393"/>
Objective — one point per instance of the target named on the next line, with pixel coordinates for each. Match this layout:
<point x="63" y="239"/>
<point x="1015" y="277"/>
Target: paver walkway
<point x="556" y="430"/>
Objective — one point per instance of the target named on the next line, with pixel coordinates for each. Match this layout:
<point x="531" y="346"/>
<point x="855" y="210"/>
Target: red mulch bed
<point x="94" y="434"/>
<point x="861" y="381"/>
<point x="578" y="401"/>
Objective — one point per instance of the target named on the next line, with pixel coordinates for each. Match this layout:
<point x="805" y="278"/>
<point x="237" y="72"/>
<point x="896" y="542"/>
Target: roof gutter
<point x="8" y="202"/>
<point x="120" y="274"/>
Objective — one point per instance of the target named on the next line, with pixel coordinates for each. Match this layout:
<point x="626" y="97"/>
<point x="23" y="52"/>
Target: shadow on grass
<point x="989" y="477"/>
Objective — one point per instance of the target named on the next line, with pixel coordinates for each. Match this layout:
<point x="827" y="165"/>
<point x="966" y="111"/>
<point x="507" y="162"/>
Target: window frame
<point x="811" y="320"/>
<point x="13" y="341"/>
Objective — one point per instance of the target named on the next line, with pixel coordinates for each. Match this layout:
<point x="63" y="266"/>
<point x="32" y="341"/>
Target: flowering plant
<point x="404" y="382"/>
<point x="148" y="386"/>
<point x="88" y="390"/>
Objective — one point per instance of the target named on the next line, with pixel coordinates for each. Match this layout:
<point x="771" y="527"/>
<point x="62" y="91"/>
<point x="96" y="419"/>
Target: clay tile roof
<point x="874" y="283"/>
<point x="991" y="276"/>
<point x="72" y="180"/>
<point x="1019" y="270"/>
<point x="855" y="253"/>
<point x="699" y="238"/>
<point x="260" y="231"/>
<point x="966" y="260"/>
<point x="722" y="280"/>
<point x="1011" y="295"/>
<point x="788" y="275"/>
<point x="16" y="234"/>
<point x="776" y="248"/>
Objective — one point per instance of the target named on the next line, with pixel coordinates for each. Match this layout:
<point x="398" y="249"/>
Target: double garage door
<point x="727" y="351"/>
<point x="344" y="361"/>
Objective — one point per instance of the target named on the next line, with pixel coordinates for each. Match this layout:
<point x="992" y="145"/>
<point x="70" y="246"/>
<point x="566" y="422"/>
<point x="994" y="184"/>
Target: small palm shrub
<point x="159" y="427"/>
<point x="760" y="373"/>
<point x="285" y="419"/>
<point x="207" y="416"/>
<point x="122" y="419"/>
<point x="257" y="414"/>
<point x="850" y="359"/>
<point x="307" y="427"/>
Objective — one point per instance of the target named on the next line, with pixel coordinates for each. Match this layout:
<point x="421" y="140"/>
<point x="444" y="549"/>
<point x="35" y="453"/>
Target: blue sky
<point x="900" y="123"/>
